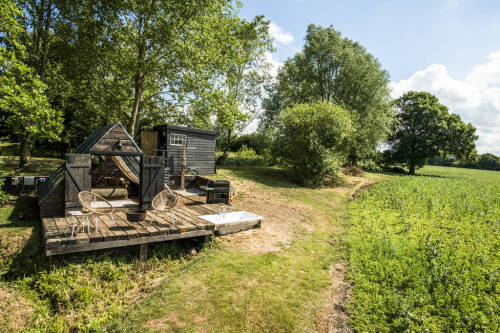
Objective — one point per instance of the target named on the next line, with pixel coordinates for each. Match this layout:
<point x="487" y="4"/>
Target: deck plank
<point x="109" y="226"/>
<point x="187" y="220"/>
<point x="103" y="235"/>
<point x="202" y="224"/>
<point x="52" y="237"/>
<point x="139" y="229"/>
<point x="64" y="231"/>
<point x="124" y="226"/>
<point x="166" y="219"/>
<point x="164" y="222"/>
<point x="121" y="232"/>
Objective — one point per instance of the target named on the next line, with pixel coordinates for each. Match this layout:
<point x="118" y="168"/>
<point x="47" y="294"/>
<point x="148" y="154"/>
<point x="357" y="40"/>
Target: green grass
<point x="40" y="164"/>
<point x="483" y="176"/>
<point x="424" y="253"/>
<point x="219" y="290"/>
<point x="231" y="291"/>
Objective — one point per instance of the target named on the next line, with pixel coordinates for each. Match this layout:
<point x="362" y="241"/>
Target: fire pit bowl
<point x="136" y="215"/>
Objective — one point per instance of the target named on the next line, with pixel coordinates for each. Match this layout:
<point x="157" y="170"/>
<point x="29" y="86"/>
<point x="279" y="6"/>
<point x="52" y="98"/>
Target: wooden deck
<point x="57" y="230"/>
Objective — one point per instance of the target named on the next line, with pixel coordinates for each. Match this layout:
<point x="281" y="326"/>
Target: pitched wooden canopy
<point x="112" y="140"/>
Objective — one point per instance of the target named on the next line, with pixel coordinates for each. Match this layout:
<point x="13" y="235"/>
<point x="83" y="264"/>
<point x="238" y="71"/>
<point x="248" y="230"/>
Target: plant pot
<point x="136" y="215"/>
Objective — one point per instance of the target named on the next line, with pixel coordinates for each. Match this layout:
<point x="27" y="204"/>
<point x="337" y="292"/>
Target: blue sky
<point x="448" y="47"/>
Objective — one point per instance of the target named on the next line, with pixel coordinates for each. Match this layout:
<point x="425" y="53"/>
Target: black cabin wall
<point x="200" y="150"/>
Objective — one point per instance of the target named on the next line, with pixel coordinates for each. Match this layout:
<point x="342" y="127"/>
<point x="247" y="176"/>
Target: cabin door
<point x="152" y="179"/>
<point x="77" y="178"/>
<point x="149" y="142"/>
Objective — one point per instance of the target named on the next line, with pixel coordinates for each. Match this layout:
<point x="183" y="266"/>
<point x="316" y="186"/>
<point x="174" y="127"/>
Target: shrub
<point x="257" y="141"/>
<point x="353" y="171"/>
<point x="310" y="139"/>
<point x="245" y="157"/>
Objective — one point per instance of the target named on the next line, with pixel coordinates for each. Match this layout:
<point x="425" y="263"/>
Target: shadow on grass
<point x="36" y="167"/>
<point x="268" y="176"/>
<point x="397" y="173"/>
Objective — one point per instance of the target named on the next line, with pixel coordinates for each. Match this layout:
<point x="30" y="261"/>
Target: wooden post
<point x="141" y="167"/>
<point x="183" y="165"/>
<point x="143" y="252"/>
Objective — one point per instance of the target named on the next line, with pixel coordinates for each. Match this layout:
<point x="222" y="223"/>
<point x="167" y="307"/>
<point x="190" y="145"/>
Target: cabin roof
<point x="185" y="129"/>
<point x="90" y="145"/>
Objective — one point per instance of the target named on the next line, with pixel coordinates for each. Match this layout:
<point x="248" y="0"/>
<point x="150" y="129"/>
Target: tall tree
<point x="174" y="52"/>
<point x="424" y="129"/>
<point x="338" y="70"/>
<point x="245" y="78"/>
<point x="21" y="92"/>
<point x="40" y="16"/>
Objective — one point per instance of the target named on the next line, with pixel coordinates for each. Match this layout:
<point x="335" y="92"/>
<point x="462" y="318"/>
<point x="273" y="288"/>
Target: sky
<point x="450" y="48"/>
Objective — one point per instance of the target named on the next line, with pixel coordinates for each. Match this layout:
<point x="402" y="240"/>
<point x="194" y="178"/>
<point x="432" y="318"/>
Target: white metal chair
<point x="165" y="201"/>
<point x="79" y="223"/>
<point x="94" y="204"/>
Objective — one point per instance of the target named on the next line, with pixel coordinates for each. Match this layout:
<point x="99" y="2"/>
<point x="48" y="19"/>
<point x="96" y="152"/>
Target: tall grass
<point x="424" y="256"/>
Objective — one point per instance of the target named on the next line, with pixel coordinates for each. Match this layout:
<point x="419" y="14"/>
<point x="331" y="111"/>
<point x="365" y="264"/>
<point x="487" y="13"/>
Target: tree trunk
<point x="135" y="108"/>
<point x="45" y="41"/>
<point x="139" y="74"/>
<point x="24" y="154"/>
<point x="226" y="148"/>
<point x="412" y="168"/>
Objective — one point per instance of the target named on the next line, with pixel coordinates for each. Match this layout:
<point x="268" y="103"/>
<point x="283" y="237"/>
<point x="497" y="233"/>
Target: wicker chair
<point x="165" y="201"/>
<point x="94" y="204"/>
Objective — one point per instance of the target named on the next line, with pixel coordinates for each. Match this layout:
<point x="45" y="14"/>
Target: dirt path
<point x="281" y="219"/>
<point x="335" y="318"/>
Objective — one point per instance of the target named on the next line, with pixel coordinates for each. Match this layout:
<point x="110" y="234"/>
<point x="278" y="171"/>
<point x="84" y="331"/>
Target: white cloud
<point x="476" y="99"/>
<point x="279" y="35"/>
<point x="488" y="72"/>
<point x="273" y="64"/>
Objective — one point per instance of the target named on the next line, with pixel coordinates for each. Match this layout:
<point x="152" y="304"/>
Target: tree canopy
<point x="311" y="138"/>
<point x="22" y="93"/>
<point x="424" y="129"/>
<point x="338" y="70"/>
<point x="141" y="62"/>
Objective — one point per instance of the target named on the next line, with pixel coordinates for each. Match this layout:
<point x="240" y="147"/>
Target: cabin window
<point x="177" y="139"/>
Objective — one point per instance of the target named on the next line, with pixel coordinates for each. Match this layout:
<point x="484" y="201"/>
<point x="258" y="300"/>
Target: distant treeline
<point x="484" y="161"/>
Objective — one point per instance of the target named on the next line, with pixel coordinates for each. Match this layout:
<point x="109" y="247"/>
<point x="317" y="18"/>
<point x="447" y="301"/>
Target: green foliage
<point x="143" y="62"/>
<point x="423" y="255"/>
<point x="311" y="140"/>
<point x="22" y="93"/>
<point x="425" y="129"/>
<point x="257" y="141"/>
<point x="484" y="161"/>
<point x="246" y="157"/>
<point x="338" y="70"/>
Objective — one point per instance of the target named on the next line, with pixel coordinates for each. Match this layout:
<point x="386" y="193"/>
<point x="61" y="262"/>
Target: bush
<point x="353" y="171"/>
<point x="245" y="157"/>
<point x="310" y="140"/>
<point x="257" y="141"/>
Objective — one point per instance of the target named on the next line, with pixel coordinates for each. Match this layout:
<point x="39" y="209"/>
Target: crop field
<point x="424" y="253"/>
